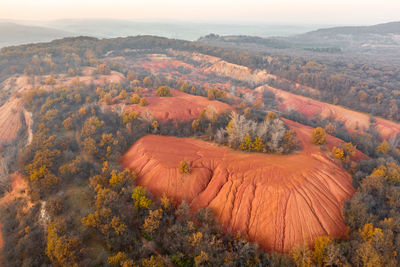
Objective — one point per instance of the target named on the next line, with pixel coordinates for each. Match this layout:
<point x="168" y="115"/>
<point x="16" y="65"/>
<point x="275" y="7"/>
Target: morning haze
<point x="234" y="11"/>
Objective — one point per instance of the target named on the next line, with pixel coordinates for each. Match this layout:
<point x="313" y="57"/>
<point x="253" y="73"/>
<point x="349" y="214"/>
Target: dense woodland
<point x="88" y="211"/>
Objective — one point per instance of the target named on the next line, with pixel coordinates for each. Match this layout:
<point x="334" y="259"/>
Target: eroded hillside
<point x="178" y="107"/>
<point x="279" y="201"/>
<point x="354" y="121"/>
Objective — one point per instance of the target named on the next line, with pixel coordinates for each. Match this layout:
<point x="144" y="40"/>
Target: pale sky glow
<point x="268" y="11"/>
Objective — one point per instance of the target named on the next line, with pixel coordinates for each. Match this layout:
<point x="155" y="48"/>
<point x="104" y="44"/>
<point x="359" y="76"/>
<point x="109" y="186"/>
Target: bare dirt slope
<point x="180" y="106"/>
<point x="354" y="121"/>
<point x="10" y="119"/>
<point x="22" y="83"/>
<point x="278" y="201"/>
<point x="220" y="67"/>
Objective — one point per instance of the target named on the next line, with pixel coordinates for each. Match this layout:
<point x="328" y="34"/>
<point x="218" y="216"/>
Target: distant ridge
<point x="384" y="28"/>
<point x="16" y="34"/>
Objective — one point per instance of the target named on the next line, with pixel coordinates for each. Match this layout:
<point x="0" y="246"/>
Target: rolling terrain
<point x="251" y="180"/>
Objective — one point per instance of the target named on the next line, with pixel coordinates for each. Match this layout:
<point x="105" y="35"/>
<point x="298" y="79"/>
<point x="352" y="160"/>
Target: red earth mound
<point x="278" y="201"/>
<point x="180" y="106"/>
<point x="354" y="121"/>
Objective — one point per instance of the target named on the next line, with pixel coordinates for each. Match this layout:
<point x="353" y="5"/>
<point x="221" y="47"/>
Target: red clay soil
<point x="180" y="106"/>
<point x="18" y="189"/>
<point x="354" y="121"/>
<point x="278" y="201"/>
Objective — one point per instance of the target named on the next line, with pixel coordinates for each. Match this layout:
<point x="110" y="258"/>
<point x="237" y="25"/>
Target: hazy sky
<point x="269" y="11"/>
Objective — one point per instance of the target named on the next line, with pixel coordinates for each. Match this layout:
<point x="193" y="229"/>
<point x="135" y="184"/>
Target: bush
<point x="143" y="102"/>
<point x="184" y="167"/>
<point x="318" y="136"/>
<point x="147" y="82"/>
<point x="163" y="91"/>
<point x="135" y="99"/>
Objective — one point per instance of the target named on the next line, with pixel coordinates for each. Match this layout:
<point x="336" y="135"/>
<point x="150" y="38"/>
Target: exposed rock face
<point x="180" y="106"/>
<point x="278" y="201"/>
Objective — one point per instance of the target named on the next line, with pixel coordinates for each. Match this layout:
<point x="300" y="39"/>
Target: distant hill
<point x="109" y="28"/>
<point x="16" y="34"/>
<point x="382" y="39"/>
<point x="381" y="29"/>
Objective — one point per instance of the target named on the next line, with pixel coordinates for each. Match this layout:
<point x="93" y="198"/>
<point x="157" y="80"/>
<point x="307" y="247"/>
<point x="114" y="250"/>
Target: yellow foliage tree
<point x="143" y="102"/>
<point x="117" y="258"/>
<point x="60" y="249"/>
<point x="118" y="226"/>
<point x="369" y="232"/>
<point x="184" y="167"/>
<point x="163" y="91"/>
<point x="184" y="87"/>
<point x="153" y="262"/>
<point x="318" y="136"/>
<point x="320" y="246"/>
<point x="195" y="238"/>
<point x="152" y="222"/>
<point x="391" y="172"/>
<point x="258" y="144"/>
<point x="135" y="99"/>
<point x="271" y="116"/>
<point x="165" y="202"/>
<point x="129" y="116"/>
<point x="338" y="153"/>
<point x="301" y="256"/>
<point x="92" y="220"/>
<point x="246" y="143"/>
<point x="383" y="148"/>
<point x="200" y="259"/>
<point x="123" y="94"/>
<point x="140" y="198"/>
<point x="155" y="125"/>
